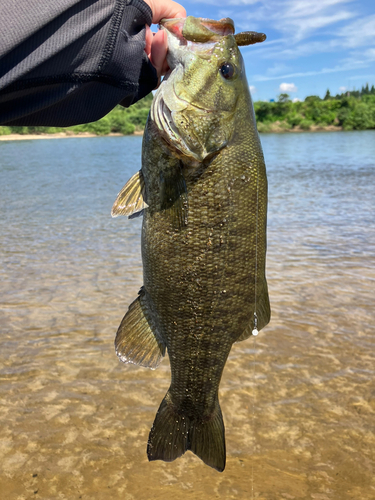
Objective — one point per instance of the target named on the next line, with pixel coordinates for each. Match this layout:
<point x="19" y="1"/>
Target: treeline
<point x="354" y="110"/>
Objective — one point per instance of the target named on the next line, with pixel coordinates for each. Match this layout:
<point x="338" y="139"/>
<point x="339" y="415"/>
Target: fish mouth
<point x="198" y="29"/>
<point x="193" y="35"/>
<point x="185" y="36"/>
<point x="193" y="150"/>
<point x="201" y="30"/>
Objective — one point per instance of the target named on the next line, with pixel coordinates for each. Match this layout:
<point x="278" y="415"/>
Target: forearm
<point x="68" y="61"/>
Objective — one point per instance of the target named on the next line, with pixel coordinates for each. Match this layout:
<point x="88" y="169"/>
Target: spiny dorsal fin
<point x="131" y="198"/>
<point x="137" y="339"/>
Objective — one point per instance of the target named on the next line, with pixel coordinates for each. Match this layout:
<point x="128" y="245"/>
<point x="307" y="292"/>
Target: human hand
<point x="156" y="43"/>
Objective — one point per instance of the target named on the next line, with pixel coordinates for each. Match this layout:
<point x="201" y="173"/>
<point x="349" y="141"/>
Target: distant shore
<point x="280" y="128"/>
<point x="58" y="135"/>
<point x="275" y="128"/>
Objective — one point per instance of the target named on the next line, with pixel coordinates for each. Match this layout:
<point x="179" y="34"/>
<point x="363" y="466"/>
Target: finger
<point x="149" y="40"/>
<point x="159" y="53"/>
<point x="165" y="9"/>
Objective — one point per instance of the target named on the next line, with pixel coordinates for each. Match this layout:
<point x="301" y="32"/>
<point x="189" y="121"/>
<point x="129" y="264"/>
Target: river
<point x="298" y="400"/>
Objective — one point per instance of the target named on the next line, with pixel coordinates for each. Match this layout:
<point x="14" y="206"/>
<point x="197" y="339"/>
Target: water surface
<point x="298" y="401"/>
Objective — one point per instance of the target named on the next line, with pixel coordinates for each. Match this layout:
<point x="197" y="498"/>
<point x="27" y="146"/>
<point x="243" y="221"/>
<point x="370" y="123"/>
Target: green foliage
<point x="5" y="130"/>
<point x="263" y="127"/>
<point x="294" y="119"/>
<point x="306" y="124"/>
<point x="361" y="118"/>
<point x="348" y="111"/>
<point x="284" y="98"/>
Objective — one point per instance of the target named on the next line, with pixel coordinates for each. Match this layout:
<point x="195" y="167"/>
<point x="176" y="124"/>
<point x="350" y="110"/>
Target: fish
<point x="202" y="191"/>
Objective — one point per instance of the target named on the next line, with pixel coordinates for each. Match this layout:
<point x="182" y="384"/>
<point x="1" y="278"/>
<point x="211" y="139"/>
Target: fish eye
<point x="227" y="70"/>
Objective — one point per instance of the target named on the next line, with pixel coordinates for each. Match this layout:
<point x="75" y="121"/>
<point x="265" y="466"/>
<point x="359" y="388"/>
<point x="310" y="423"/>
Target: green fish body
<point x="203" y="194"/>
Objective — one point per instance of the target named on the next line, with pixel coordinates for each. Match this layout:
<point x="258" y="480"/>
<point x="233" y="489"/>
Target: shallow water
<point x="298" y="401"/>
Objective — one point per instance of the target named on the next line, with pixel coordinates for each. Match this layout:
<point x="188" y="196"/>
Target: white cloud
<point x="304" y="27"/>
<point x="252" y="89"/>
<point x="241" y="2"/>
<point x="354" y="62"/>
<point x="299" y="19"/>
<point x="362" y="77"/>
<point x="277" y="68"/>
<point x="288" y="87"/>
<point x="359" y="33"/>
<point x="296" y="99"/>
<point x="342" y="89"/>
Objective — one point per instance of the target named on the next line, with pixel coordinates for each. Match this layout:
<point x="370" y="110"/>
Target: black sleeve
<point x="65" y="62"/>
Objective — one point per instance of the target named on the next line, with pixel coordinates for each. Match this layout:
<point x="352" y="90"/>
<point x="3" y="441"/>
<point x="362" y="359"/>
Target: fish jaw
<point x="194" y="106"/>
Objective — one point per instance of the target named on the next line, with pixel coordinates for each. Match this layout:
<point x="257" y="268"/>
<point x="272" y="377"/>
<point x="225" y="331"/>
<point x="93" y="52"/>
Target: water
<point x="298" y="402"/>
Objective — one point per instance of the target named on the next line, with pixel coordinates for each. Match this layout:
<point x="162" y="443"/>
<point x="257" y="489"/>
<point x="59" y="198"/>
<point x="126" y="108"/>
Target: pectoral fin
<point x="131" y="198"/>
<point x="137" y="339"/>
<point x="173" y="197"/>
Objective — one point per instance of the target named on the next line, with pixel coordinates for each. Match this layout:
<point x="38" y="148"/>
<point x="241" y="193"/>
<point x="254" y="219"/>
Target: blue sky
<point x="311" y="45"/>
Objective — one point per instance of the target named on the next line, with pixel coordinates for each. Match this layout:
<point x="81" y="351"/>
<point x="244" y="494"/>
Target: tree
<point x="284" y="98"/>
<point x="328" y="95"/>
<point x="365" y="90"/>
<point x="312" y="98"/>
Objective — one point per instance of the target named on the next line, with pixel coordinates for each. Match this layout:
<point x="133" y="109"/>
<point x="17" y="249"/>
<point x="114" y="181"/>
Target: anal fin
<point x="137" y="339"/>
<point x="131" y="198"/>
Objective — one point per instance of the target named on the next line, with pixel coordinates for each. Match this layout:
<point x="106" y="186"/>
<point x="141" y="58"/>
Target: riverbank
<point x="58" y="135"/>
<point x="275" y="128"/>
<point x="282" y="127"/>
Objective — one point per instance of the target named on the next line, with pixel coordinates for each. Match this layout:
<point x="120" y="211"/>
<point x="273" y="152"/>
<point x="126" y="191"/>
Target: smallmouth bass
<point x="202" y="191"/>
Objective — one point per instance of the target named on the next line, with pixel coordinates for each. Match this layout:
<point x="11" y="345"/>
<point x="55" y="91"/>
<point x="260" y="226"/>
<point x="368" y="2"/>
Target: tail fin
<point x="172" y="434"/>
<point x="207" y="440"/>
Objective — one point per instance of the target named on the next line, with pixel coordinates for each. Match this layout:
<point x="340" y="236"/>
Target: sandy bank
<point x="59" y="135"/>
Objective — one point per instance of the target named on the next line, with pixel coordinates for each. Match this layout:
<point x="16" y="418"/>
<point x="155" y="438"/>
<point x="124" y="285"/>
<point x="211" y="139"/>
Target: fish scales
<point x="203" y="239"/>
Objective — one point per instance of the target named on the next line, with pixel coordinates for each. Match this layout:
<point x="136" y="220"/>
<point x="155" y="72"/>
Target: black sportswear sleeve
<point x="65" y="62"/>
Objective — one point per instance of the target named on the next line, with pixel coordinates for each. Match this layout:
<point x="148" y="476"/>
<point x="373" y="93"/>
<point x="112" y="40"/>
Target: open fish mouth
<point x="201" y="30"/>
<point x="185" y="35"/>
<point x="194" y="35"/>
<point x="189" y="38"/>
<point x="198" y="30"/>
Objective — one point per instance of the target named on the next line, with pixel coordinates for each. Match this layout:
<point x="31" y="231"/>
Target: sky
<point x="311" y="46"/>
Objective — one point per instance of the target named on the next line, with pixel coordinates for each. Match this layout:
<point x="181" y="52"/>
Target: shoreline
<point x="58" y="135"/>
<point x="276" y="129"/>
